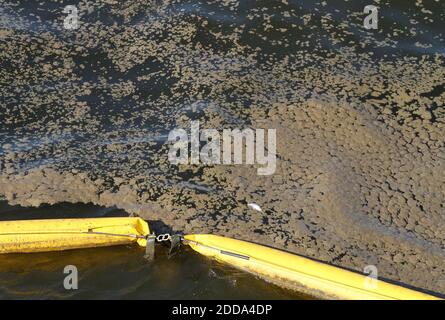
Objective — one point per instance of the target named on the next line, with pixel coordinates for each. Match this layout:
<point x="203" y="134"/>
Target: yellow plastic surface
<point x="61" y="234"/>
<point x="298" y="273"/>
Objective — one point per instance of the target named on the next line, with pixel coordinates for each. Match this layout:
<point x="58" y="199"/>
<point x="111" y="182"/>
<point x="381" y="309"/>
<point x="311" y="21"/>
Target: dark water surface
<point x="359" y="116"/>
<point x="121" y="272"/>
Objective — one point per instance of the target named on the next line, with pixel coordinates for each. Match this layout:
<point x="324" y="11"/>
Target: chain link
<point x="163" y="237"/>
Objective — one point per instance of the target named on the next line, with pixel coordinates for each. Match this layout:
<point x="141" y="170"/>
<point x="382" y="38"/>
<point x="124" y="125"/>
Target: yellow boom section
<point x="62" y="234"/>
<point x="298" y="273"/>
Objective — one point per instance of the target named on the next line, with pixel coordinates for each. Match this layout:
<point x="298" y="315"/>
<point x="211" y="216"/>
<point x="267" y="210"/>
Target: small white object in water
<point x="254" y="206"/>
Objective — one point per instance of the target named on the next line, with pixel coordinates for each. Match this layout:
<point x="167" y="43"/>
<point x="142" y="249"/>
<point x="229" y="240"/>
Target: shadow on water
<point x="121" y="272"/>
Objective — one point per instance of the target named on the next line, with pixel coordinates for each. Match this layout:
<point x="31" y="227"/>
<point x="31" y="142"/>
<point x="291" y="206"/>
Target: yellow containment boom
<point x="298" y="273"/>
<point x="62" y="234"/>
<point x="283" y="268"/>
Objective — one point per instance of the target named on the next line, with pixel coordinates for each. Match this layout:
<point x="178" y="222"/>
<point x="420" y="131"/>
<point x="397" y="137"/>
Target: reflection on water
<point x="121" y="272"/>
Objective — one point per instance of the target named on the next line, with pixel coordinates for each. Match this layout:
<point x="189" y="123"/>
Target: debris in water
<point x="254" y="206"/>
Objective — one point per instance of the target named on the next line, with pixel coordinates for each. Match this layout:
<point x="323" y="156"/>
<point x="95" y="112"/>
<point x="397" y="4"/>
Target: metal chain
<point x="163" y="237"/>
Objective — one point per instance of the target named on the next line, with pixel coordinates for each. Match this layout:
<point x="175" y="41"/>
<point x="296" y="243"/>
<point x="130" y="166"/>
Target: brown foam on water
<point x="360" y="173"/>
